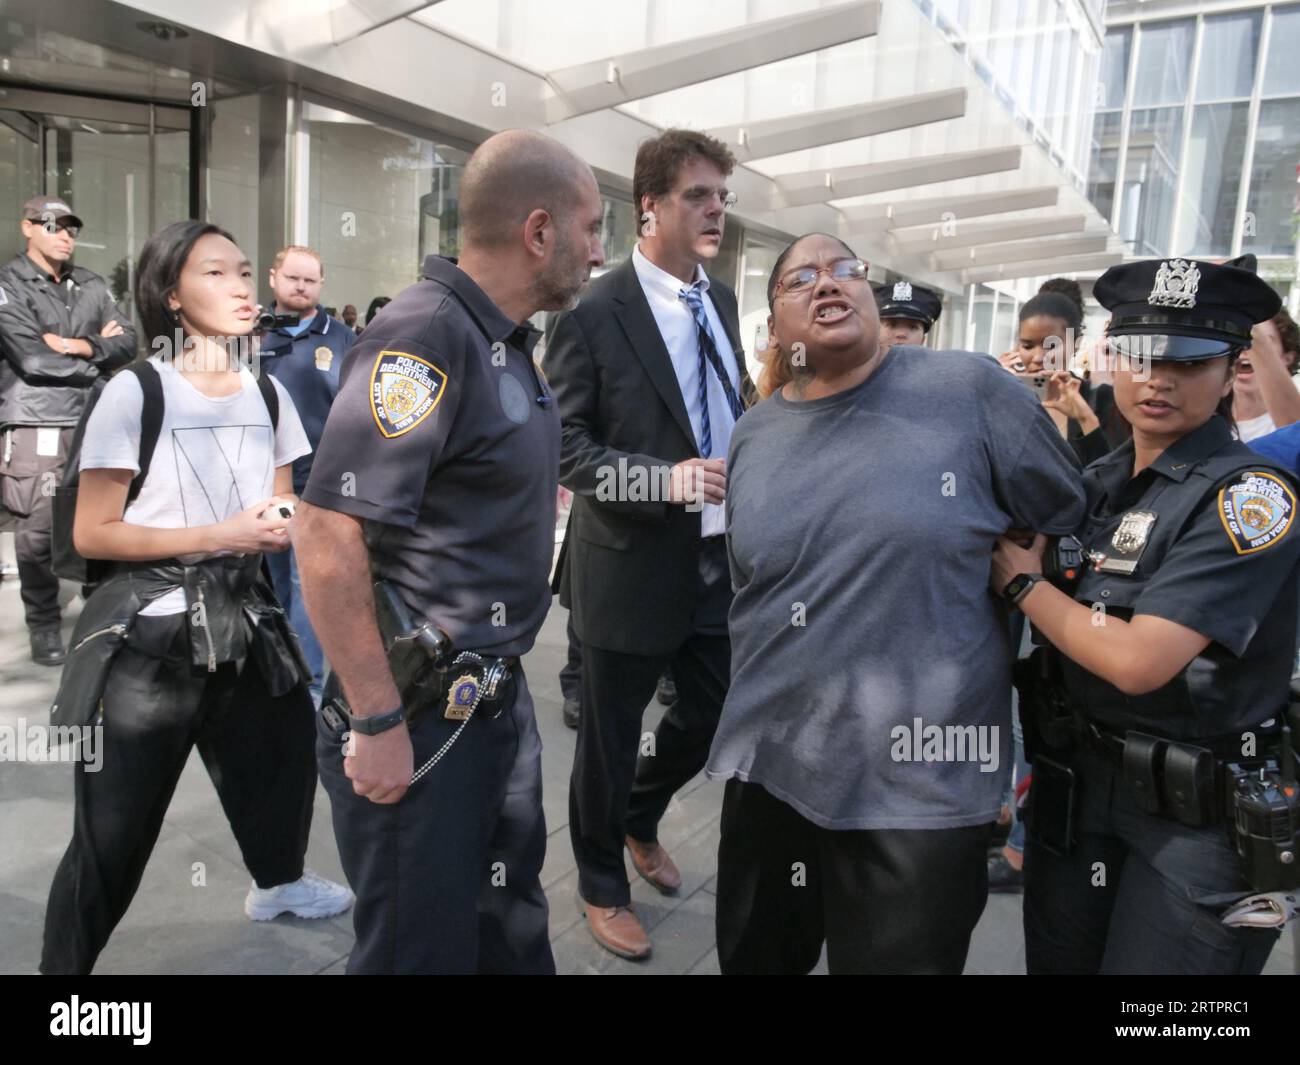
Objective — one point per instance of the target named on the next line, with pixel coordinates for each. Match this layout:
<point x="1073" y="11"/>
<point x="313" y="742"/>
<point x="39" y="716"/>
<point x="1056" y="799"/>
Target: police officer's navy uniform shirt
<point x="860" y="528"/>
<point x="1220" y="558"/>
<point x="439" y="442"/>
<point x="309" y="363"/>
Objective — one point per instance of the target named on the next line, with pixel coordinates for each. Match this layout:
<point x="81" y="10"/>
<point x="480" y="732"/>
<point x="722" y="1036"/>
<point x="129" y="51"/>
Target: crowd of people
<point x="329" y="559"/>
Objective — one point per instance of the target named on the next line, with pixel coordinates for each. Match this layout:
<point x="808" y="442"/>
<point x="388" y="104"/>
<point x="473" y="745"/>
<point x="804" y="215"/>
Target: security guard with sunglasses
<point x="1161" y="690"/>
<point x="61" y="335"/>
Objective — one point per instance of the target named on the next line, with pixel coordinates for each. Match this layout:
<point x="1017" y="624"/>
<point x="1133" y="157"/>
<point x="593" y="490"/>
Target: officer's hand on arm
<point x="1136" y="656"/>
<point x="335" y="570"/>
<point x="698" y="480"/>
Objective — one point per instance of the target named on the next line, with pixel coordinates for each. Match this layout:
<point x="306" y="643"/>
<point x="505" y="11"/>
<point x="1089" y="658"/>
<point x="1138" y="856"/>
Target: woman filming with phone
<point x="1050" y="325"/>
<point x="184" y="481"/>
<point x="1164" y="681"/>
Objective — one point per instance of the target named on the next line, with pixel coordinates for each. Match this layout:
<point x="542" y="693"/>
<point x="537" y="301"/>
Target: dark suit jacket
<point x="629" y="567"/>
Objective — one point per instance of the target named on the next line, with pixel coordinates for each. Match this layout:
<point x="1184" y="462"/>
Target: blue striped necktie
<point x="708" y="357"/>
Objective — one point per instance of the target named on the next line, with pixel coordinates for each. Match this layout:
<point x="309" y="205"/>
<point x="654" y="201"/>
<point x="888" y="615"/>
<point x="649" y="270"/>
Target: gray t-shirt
<point x="870" y="664"/>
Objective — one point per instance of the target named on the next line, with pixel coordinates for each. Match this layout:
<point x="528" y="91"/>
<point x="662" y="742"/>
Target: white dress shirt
<point x="682" y="339"/>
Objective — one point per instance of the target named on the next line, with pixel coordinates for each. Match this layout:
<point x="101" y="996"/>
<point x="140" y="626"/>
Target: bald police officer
<point x="437" y="475"/>
<point x="906" y="312"/>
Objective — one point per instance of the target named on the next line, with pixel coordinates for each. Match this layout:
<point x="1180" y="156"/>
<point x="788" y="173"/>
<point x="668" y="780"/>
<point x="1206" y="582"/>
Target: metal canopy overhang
<point x="899" y="214"/>
<point x="844" y="183"/>
<point x="385" y="71"/>
<point x="1021" y="251"/>
<point x="351" y="20"/>
<point x="1070" y="264"/>
<point x="811" y="129"/>
<point x="619" y="79"/>
<point x="962" y="234"/>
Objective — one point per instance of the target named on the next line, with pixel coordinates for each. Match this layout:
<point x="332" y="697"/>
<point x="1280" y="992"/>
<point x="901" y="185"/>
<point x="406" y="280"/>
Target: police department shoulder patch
<point x="1257" y="510"/>
<point x="404" y="390"/>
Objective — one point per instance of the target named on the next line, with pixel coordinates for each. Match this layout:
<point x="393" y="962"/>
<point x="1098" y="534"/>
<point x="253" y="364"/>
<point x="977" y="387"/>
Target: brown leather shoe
<point x="654" y="865"/>
<point x="617" y="929"/>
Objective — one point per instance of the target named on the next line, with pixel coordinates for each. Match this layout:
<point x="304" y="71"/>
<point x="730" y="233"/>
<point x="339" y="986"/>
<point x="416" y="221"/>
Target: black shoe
<point x="571" y="710"/>
<point x="47" y="648"/>
<point x="1003" y="878"/>
<point x="666" y="691"/>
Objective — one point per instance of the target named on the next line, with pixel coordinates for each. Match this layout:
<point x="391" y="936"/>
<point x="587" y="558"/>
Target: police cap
<point x="1184" y="309"/>
<point x="902" y="299"/>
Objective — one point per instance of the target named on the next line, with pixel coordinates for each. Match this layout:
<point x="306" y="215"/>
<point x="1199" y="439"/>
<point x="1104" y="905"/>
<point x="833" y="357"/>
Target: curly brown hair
<point x="659" y="159"/>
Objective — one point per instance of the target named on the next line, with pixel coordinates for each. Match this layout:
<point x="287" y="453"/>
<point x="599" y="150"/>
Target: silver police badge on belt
<point x="1128" y="542"/>
<point x="461" y="698"/>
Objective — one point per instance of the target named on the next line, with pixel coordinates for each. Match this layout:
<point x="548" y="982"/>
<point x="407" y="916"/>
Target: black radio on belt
<point x="1266" y="820"/>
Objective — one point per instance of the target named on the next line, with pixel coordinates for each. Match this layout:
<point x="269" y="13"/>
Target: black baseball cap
<point x="902" y="299"/>
<point x="50" y="209"/>
<point x="1184" y="309"/>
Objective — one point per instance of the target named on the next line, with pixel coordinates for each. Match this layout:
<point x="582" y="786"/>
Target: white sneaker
<point x="312" y="896"/>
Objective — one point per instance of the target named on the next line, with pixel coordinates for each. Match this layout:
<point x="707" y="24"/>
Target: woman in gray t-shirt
<point x="866" y="734"/>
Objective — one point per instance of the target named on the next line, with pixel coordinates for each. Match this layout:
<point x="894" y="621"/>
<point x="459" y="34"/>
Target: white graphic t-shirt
<point x="215" y="455"/>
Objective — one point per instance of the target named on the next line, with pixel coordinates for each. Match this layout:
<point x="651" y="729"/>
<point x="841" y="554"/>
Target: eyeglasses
<point x="72" y="231"/>
<point x="803" y="279"/>
<point x="698" y="195"/>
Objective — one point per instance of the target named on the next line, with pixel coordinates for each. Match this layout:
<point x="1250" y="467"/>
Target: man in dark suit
<point x="650" y="378"/>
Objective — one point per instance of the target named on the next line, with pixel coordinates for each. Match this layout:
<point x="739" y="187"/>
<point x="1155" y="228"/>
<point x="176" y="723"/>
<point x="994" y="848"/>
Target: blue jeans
<point x="288" y="589"/>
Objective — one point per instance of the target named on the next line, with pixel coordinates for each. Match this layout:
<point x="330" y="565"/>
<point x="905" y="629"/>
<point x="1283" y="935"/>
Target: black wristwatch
<point x="1018" y="587"/>
<point x="376" y="723"/>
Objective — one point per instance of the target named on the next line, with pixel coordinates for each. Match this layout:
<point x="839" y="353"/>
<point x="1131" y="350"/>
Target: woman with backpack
<point x="182" y="643"/>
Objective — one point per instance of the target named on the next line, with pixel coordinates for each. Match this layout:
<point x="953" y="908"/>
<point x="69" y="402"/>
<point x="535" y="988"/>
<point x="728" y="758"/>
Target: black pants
<point x="1138" y="894"/>
<point x="571" y="674"/>
<point x="884" y="901"/>
<point x="622" y="783"/>
<point x="27" y="482"/>
<point x="448" y="880"/>
<point x="257" y="750"/>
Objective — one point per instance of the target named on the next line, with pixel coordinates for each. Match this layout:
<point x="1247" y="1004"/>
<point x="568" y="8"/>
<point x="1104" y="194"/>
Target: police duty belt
<point x="422" y="657"/>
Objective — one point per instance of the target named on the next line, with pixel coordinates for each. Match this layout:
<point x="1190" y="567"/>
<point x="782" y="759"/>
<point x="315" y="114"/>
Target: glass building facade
<point x="1196" y="136"/>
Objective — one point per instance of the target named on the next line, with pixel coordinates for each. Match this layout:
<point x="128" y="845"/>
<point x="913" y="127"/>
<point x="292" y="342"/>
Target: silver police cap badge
<point x="902" y="292"/>
<point x="1176" y="283"/>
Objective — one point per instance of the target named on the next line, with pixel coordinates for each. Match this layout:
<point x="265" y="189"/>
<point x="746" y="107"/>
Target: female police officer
<point x="1175" y="647"/>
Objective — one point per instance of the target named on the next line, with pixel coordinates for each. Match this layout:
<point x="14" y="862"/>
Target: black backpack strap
<point x="271" y="398"/>
<point x="151" y="416"/>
